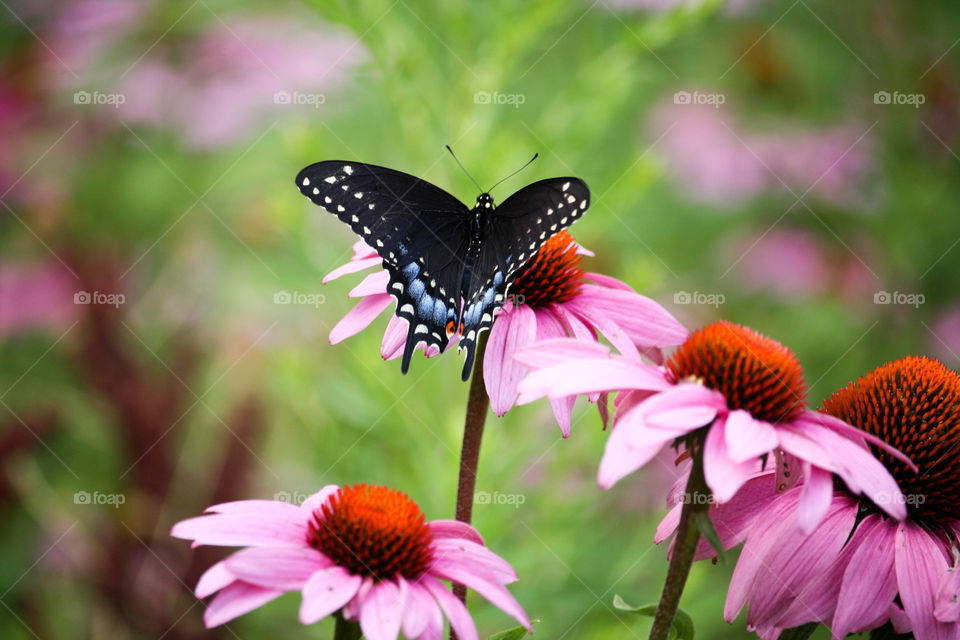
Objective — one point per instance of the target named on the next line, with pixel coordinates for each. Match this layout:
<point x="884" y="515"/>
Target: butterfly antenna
<point x="464" y="169"/>
<point x="535" y="156"/>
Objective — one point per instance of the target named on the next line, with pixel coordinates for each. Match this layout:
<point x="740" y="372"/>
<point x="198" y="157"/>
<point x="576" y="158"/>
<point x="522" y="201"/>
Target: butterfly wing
<point x="515" y="232"/>
<point x="419" y="230"/>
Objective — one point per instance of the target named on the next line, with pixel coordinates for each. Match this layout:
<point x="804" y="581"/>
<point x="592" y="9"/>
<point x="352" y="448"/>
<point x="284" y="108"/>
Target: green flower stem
<point x="478" y="403"/>
<point x="346" y="629"/>
<point x="685" y="544"/>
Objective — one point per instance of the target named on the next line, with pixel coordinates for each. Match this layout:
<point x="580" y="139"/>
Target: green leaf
<point x="512" y="634"/>
<point x="702" y="521"/>
<point x="681" y="629"/>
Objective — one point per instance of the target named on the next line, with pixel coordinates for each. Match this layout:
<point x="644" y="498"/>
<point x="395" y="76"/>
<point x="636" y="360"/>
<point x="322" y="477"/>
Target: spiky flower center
<point x="912" y="404"/>
<point x="752" y="371"/>
<point x="551" y="276"/>
<point x="373" y="531"/>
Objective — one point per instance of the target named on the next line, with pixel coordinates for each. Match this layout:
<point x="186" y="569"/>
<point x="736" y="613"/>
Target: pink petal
<point x="422" y="613"/>
<point x="317" y="500"/>
<point x="600" y="322"/>
<point x="631" y="445"/>
<point x="547" y="353"/>
<point x="723" y="475"/>
<point x="948" y="597"/>
<point x="454" y="529"/>
<point x="381" y="612"/>
<point x="851" y="461"/>
<point x="374" y="284"/>
<point x="235" y="600"/>
<point x="513" y="330"/>
<point x="608" y="282"/>
<point x="486" y="586"/>
<point x="562" y="410"/>
<point x="748" y="438"/>
<point x="644" y="320"/>
<point x="851" y="432"/>
<point x="683" y="407"/>
<point x="799" y="579"/>
<point x="464" y="553"/>
<point x="920" y="567"/>
<point x="326" y="592"/>
<point x="352" y="267"/>
<point x="213" y="579"/>
<point x="360" y="317"/>
<point x="869" y="580"/>
<point x="362" y="250"/>
<point x="394" y="338"/>
<point x="241" y="530"/>
<point x="263" y="508"/>
<point x="815" y="497"/>
<point x="286" y="569"/>
<point x="589" y="376"/>
<point x="460" y="620"/>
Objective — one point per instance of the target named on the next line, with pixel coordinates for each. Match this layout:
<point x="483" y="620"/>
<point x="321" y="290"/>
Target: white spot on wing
<point x="306" y="182"/>
<point x="347" y="169"/>
<point x="330" y="180"/>
<point x="566" y="185"/>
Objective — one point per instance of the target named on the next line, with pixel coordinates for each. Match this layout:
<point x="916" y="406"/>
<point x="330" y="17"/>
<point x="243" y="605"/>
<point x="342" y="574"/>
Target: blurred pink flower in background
<point x="715" y="161"/>
<point x="944" y="341"/>
<point x="790" y="262"/>
<point x="80" y="34"/>
<point x="36" y="296"/>
<point x="216" y="88"/>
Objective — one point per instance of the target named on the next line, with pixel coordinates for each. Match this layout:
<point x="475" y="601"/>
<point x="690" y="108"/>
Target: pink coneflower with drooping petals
<point x="551" y="296"/>
<point x="738" y="393"/>
<point x="364" y="551"/>
<point x="859" y="570"/>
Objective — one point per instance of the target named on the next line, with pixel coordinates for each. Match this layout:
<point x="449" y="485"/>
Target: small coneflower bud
<point x="373" y="531"/>
<point x="551" y="276"/>
<point x="912" y="404"/>
<point x="752" y="371"/>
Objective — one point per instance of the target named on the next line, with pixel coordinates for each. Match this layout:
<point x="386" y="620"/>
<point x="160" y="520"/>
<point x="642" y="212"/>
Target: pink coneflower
<point x="551" y="297"/>
<point x="738" y="394"/>
<point x="859" y="570"/>
<point x="364" y="551"/>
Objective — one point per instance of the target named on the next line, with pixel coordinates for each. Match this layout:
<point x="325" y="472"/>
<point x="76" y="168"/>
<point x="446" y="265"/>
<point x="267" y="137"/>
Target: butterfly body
<point x="450" y="267"/>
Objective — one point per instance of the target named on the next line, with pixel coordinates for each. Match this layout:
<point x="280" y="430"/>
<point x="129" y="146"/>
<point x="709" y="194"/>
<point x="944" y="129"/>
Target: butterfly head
<point x="484" y="202"/>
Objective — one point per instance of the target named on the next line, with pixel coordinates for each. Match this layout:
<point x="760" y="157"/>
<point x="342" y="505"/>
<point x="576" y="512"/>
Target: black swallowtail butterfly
<point x="450" y="266"/>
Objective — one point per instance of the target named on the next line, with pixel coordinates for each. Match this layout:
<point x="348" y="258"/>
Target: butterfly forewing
<point x="397" y="214"/>
<point x="515" y="232"/>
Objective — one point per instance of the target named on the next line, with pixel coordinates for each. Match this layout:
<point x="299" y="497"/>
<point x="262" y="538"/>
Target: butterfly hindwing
<point x="516" y="231"/>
